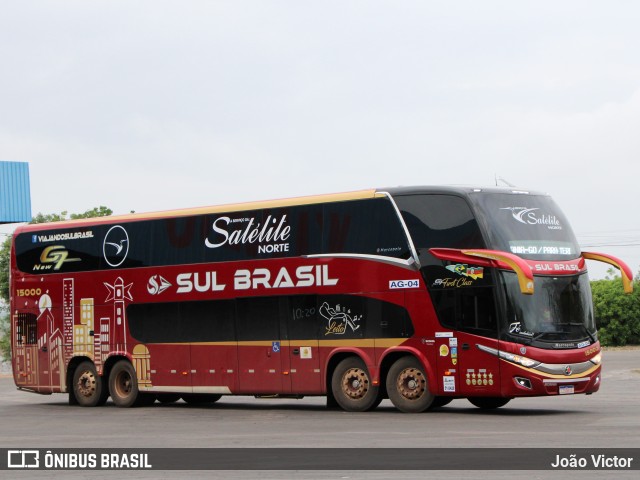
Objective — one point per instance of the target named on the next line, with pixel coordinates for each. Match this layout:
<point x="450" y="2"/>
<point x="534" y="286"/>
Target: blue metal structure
<point x="15" y="193"/>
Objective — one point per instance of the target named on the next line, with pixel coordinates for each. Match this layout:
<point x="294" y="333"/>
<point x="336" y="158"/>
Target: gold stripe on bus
<point x="360" y="343"/>
<point x="228" y="208"/>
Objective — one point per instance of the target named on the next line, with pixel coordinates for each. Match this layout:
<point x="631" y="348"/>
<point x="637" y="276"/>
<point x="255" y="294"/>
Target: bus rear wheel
<point x="88" y="389"/>
<point x="123" y="384"/>
<point x="488" y="403"/>
<point x="352" y="388"/>
<point x="407" y="386"/>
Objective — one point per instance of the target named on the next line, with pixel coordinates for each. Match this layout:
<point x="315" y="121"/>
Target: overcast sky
<point x="154" y="105"/>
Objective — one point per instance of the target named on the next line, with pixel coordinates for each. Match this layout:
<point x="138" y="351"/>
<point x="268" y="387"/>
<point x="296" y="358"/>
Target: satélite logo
<point x="115" y="246"/>
<point x="531" y="216"/>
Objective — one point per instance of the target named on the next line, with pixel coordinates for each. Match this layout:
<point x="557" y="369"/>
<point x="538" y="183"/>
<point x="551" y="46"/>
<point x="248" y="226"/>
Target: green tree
<point x="5" y="251"/>
<point x="617" y="315"/>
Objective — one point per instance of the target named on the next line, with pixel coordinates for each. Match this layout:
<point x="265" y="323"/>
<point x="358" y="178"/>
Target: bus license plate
<point x="566" y="390"/>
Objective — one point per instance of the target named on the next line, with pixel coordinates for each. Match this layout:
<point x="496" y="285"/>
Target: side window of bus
<point x="477" y="311"/>
<point x="341" y="316"/>
<point x="346" y="316"/>
<point x="463" y="297"/>
<point x="258" y="318"/>
<point x="439" y="221"/>
<point x="26" y="329"/>
<point x="387" y="320"/>
<point x="467" y="309"/>
<point x="207" y="321"/>
<point x="182" y="322"/>
<point x="154" y="322"/>
<point x="303" y="322"/>
<point x="368" y="227"/>
<point x="444" y="302"/>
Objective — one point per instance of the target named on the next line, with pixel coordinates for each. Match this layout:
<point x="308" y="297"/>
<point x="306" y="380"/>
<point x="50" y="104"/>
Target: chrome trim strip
<point x="409" y="264"/>
<point x="558" y="368"/>
<point x="177" y="389"/>
<point x="414" y="252"/>
<point x="550" y="381"/>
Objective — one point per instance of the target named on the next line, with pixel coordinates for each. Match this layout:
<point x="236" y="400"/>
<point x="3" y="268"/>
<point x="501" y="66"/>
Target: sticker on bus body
<point x="393" y="284"/>
<point x="449" y="383"/>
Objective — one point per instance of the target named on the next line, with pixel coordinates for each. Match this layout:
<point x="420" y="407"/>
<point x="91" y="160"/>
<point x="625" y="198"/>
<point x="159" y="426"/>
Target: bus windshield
<point x="559" y="312"/>
<point x="530" y="226"/>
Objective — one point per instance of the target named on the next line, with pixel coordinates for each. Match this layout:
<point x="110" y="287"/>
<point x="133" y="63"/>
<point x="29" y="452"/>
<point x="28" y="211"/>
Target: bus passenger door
<point x="259" y="346"/>
<point x="302" y="345"/>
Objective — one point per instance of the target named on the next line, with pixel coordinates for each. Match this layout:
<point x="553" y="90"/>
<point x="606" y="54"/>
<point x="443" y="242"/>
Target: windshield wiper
<point x="579" y="324"/>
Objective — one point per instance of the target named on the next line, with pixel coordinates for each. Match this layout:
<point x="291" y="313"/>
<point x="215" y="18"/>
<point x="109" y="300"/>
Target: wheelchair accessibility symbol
<point x="275" y="346"/>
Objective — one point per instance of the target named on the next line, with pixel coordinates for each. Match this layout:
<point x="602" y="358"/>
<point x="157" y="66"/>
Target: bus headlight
<point x="510" y="357"/>
<point x="518" y="359"/>
<point x="596" y="360"/>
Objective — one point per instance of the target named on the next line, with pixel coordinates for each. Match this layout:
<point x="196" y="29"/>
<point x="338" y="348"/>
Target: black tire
<point x="88" y="388"/>
<point x="489" y="403"/>
<point x="168" y="397"/>
<point x="201" y="398"/>
<point x="407" y="386"/>
<point x="123" y="385"/>
<point x="440" y="402"/>
<point x="352" y="388"/>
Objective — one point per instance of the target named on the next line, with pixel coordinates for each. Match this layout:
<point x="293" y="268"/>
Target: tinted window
<point x="303" y="321"/>
<point x="307" y="317"/>
<point x="366" y="227"/>
<point x="258" y="318"/>
<point x="463" y="297"/>
<point x="208" y="321"/>
<point x="182" y="322"/>
<point x="155" y="322"/>
<point x="358" y="226"/>
<point x="439" y="221"/>
<point x="387" y="320"/>
<point x="341" y="316"/>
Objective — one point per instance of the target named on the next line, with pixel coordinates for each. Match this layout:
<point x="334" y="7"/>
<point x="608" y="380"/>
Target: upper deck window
<point x="439" y="221"/>
<point x="364" y="226"/>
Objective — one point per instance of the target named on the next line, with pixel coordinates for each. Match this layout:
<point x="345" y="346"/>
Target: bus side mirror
<point x="625" y="271"/>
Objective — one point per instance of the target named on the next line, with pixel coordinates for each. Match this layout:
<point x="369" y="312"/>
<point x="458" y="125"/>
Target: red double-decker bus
<point x="420" y="295"/>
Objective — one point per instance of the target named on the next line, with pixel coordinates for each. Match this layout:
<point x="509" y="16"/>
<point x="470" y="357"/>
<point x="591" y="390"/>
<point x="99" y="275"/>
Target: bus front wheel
<point x="352" y="388"/>
<point x="123" y="384"/>
<point x="88" y="388"/>
<point x="407" y="386"/>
